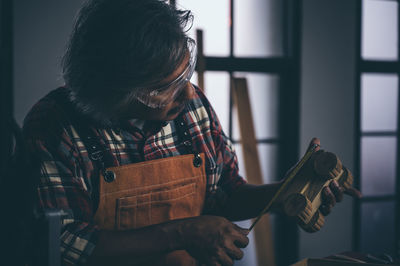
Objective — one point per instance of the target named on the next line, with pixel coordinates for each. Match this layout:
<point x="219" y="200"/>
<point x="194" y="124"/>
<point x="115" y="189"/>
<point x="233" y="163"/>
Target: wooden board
<point x="262" y="232"/>
<point x="330" y="262"/>
<point x="200" y="66"/>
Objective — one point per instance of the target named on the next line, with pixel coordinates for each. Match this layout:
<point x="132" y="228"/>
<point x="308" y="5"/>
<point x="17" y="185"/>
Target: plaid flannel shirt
<point x="68" y="176"/>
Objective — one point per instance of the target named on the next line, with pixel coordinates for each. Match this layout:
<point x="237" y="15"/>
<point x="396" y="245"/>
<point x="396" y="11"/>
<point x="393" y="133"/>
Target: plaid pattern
<point x="68" y="176"/>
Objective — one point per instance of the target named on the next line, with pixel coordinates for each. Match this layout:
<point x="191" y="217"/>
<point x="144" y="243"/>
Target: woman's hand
<point x="334" y="192"/>
<point x="213" y="240"/>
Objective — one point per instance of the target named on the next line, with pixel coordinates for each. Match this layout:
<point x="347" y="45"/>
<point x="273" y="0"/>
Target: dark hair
<point x="117" y="45"/>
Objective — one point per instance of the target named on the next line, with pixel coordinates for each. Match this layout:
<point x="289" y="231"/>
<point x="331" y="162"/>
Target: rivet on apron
<point x="109" y="176"/>
<point x="197" y="161"/>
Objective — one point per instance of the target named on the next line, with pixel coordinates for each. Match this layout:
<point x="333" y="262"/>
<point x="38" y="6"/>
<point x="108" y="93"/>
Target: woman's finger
<point x="355" y="193"/>
<point x="336" y="190"/>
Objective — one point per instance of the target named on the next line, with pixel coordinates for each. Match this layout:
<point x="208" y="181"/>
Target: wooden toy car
<point x="301" y="197"/>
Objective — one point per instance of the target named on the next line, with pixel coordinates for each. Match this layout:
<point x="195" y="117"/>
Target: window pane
<point x="379" y="30"/>
<point x="258" y="28"/>
<point x="263" y="94"/>
<point x="268" y="155"/>
<point x="378" y="227"/>
<point x="378" y="165"/>
<point x="213" y="18"/>
<point x="250" y="257"/>
<point x="194" y="79"/>
<point x="217" y="92"/>
<point x="379" y="101"/>
<point x="269" y="162"/>
<point x="239" y="153"/>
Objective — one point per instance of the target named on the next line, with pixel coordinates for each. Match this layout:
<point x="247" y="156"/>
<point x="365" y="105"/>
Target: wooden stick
<point x="292" y="174"/>
<point x="201" y="65"/>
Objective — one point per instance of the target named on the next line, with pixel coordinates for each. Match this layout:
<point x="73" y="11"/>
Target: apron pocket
<point x="155" y="207"/>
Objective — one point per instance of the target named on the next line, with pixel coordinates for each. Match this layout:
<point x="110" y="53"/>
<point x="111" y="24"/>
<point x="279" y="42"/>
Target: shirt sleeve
<point x="61" y="186"/>
<point x="226" y="156"/>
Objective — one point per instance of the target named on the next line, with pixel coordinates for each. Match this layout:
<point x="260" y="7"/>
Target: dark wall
<point x="41" y="30"/>
<point x="327" y="105"/>
<point x="6" y="80"/>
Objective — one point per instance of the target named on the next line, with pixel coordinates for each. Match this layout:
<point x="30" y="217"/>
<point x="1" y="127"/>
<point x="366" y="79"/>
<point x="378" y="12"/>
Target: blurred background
<point x="315" y="68"/>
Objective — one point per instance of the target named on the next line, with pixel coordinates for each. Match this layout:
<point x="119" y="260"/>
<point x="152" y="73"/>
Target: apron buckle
<point x="197" y="161"/>
<point x="96" y="155"/>
<point x="109" y="176"/>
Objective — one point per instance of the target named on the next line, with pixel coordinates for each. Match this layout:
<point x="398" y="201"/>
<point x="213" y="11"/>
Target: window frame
<point x="287" y="67"/>
<point x="368" y="66"/>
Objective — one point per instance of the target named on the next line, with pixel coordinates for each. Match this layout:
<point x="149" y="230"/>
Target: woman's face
<point x="170" y="111"/>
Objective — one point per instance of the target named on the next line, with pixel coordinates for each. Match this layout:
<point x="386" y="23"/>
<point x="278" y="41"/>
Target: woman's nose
<point x="187" y="93"/>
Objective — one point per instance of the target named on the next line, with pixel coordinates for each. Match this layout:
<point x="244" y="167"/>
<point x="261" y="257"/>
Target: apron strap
<point x="93" y="145"/>
<point x="91" y="142"/>
<point x="185" y="137"/>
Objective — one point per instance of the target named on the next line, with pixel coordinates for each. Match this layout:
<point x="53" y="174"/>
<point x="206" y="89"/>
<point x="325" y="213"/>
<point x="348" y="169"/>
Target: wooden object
<point x="262" y="234"/>
<point x="348" y="258"/>
<point x="201" y="65"/>
<point x="288" y="179"/>
<point x="302" y="196"/>
<point x="331" y="262"/>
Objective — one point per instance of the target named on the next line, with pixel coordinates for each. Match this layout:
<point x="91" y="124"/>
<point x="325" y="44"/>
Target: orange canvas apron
<point x="152" y="192"/>
<point x="146" y="193"/>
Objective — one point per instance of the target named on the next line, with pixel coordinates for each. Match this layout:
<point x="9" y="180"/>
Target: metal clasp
<point x="197" y="161"/>
<point x="109" y="176"/>
<point x="97" y="155"/>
